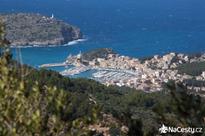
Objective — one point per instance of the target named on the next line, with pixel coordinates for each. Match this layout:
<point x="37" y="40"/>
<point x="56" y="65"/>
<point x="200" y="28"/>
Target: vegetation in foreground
<point x="42" y="102"/>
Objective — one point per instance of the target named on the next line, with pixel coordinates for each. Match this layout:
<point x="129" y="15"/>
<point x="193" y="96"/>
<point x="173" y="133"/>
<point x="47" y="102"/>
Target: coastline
<point x="74" y="42"/>
<point x="149" y="74"/>
<point x="34" y="29"/>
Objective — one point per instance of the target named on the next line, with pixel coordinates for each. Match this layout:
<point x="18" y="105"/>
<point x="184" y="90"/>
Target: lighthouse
<point x="52" y="16"/>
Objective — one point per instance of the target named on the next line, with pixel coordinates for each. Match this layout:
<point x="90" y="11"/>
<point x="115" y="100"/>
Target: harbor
<point x="75" y="70"/>
<point x="114" y="69"/>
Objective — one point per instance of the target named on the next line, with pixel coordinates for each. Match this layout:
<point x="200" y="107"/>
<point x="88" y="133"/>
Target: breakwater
<point x="63" y="64"/>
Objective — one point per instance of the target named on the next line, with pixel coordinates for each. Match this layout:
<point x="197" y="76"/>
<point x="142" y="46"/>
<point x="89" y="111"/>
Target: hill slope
<point x="35" y="29"/>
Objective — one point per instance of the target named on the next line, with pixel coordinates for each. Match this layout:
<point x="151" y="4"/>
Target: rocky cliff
<point x="34" y="29"/>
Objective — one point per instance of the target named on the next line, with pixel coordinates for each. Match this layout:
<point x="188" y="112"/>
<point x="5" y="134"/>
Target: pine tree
<point x="37" y="111"/>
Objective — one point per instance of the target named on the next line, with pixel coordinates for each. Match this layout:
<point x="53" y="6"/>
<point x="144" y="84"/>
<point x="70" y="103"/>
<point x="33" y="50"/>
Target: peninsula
<point x="28" y="29"/>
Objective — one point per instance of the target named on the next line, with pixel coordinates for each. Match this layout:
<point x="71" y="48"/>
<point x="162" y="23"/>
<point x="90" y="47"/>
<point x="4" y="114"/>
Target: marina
<point x="114" y="69"/>
<point x="74" y="71"/>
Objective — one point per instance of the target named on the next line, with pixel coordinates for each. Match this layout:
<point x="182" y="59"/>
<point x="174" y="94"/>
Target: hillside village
<point x="148" y="74"/>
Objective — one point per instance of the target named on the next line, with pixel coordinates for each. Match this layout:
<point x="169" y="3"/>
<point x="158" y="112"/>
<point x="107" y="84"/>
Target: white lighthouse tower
<point x="52" y="16"/>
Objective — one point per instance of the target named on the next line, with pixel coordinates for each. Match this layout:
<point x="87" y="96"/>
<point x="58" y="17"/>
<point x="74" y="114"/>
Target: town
<point x="148" y="75"/>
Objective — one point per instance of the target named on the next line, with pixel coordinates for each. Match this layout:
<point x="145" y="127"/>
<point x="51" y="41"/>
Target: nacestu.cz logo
<point x="165" y="129"/>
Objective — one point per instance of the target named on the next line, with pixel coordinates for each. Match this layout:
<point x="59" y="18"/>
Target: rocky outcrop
<point x="34" y="29"/>
<point x="97" y="53"/>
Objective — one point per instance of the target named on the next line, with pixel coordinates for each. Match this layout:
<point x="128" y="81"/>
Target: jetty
<point x="63" y="64"/>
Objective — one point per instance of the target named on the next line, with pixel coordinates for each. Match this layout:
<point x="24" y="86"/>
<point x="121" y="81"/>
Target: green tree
<point x="39" y="110"/>
<point x="181" y="108"/>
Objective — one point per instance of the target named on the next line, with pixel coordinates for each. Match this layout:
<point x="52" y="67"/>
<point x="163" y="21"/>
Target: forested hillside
<point x="42" y="102"/>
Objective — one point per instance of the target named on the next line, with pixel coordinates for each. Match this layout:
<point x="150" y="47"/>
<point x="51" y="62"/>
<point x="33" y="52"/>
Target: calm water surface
<point x="135" y="28"/>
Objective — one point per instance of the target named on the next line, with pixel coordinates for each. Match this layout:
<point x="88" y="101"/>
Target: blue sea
<point x="137" y="28"/>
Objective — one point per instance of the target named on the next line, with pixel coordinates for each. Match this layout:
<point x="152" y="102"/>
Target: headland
<point x="29" y="29"/>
